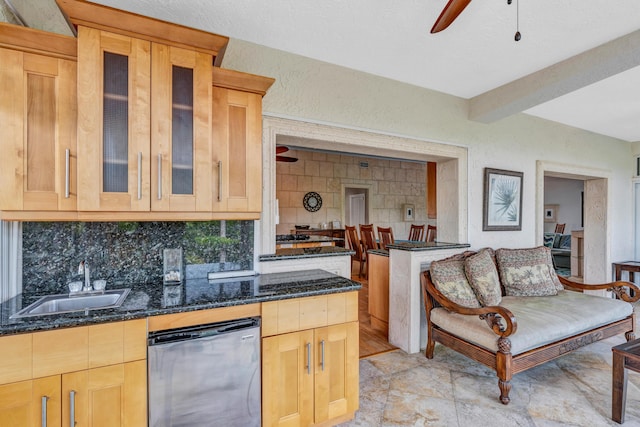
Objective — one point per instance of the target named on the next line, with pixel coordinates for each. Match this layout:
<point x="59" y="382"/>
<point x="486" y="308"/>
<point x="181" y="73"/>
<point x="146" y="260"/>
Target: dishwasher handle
<point x="202" y="331"/>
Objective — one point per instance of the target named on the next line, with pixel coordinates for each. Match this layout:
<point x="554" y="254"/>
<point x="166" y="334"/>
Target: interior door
<point x="357" y="209"/>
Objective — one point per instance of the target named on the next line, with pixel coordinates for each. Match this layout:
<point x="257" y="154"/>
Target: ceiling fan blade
<point x="449" y="14"/>
<point x="281" y="149"/>
<point x="286" y="159"/>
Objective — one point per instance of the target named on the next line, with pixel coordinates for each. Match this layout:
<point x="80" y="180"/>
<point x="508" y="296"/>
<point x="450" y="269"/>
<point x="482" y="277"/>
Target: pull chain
<point x="517" y="36"/>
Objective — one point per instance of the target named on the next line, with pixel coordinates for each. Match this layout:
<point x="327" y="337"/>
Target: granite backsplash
<point x="129" y="252"/>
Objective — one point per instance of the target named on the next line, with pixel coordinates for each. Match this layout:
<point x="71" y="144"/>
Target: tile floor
<point x="397" y="389"/>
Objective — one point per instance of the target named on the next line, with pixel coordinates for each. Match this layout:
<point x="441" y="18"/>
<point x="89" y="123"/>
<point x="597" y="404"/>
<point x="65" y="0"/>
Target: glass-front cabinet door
<point x="181" y="166"/>
<point x="144" y="125"/>
<point x="113" y="121"/>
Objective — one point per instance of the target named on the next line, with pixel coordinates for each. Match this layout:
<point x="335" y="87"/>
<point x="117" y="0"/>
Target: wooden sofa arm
<point x="619" y="288"/>
<point x="491" y="314"/>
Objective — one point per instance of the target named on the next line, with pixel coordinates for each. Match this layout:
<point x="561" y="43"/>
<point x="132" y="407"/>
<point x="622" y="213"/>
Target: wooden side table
<point x="625" y="356"/>
<point x="630" y="266"/>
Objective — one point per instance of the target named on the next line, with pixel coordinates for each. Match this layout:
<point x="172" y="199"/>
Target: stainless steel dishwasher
<point x="205" y="375"/>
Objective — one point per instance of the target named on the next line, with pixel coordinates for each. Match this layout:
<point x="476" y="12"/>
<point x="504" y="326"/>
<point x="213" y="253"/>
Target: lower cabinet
<point x="112" y="396"/>
<point x="28" y="403"/>
<point x="84" y="376"/>
<point x="311" y="376"/>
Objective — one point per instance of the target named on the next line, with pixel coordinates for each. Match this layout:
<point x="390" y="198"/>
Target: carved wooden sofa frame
<point x="504" y="324"/>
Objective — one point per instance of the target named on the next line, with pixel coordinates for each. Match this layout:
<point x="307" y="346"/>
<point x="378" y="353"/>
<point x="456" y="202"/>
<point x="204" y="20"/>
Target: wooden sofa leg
<point x="430" y="347"/>
<point x="504" y="369"/>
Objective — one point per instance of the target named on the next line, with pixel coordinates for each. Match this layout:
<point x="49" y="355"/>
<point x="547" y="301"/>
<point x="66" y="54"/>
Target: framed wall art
<point x="502" y="200"/>
<point x="550" y="213"/>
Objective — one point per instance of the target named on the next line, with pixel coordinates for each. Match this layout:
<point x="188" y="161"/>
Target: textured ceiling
<point x="474" y="58"/>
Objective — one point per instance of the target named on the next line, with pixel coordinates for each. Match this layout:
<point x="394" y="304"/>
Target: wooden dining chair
<point x="560" y="228"/>
<point x="368" y="237"/>
<point x="432" y="230"/>
<point x="385" y="234"/>
<point x="416" y="233"/>
<point x="356" y="245"/>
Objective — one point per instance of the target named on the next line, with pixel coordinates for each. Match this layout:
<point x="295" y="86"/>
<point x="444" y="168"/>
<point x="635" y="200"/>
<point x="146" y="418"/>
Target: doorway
<point x="356" y="205"/>
<point x="596" y="255"/>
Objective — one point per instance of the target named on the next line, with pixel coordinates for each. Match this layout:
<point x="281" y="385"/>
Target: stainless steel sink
<point x="68" y="303"/>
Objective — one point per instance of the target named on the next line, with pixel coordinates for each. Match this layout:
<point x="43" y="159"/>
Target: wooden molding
<point x="36" y="41"/>
<point x="231" y="79"/>
<point x="142" y="27"/>
<point x="124" y="216"/>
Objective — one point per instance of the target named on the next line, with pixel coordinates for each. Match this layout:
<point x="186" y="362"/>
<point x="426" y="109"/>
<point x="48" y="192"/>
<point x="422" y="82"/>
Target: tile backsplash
<point x="129" y="252"/>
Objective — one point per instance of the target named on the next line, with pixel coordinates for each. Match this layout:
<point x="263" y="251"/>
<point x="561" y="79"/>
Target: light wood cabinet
<point x="310" y="375"/>
<point x="144" y="126"/>
<point x="111" y="396"/>
<point x="96" y="374"/>
<point x="25" y="403"/>
<point x="237" y="141"/>
<point x="38" y="110"/>
<point x="378" y="275"/>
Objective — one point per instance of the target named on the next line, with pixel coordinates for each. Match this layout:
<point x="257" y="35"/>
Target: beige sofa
<point x="509" y="310"/>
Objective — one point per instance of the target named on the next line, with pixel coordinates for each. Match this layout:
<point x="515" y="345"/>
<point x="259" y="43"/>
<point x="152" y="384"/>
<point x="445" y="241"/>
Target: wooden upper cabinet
<point x="38" y="110"/>
<point x="237" y="141"/>
<point x="181" y="169"/>
<point x="114" y="90"/>
<point x="145" y="145"/>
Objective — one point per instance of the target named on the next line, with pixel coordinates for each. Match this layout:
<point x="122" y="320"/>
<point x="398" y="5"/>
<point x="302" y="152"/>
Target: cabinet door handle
<point x="67" y="173"/>
<point x="159" y="176"/>
<point x="72" y="408"/>
<point x="322" y="354"/>
<point x="219" y="180"/>
<point x="139" y="175"/>
<point x="308" y="358"/>
<point x="44" y="410"/>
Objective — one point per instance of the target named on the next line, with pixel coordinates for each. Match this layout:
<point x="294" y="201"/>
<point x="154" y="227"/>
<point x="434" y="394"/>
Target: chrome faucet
<point x="83" y="268"/>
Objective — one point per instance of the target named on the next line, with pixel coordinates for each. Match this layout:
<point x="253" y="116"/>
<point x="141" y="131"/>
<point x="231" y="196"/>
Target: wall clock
<point x="312" y="201"/>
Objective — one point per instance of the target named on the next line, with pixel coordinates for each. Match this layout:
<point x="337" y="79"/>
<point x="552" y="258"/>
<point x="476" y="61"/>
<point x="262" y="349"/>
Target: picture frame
<point x="550" y="213"/>
<point x="502" y="199"/>
<point x="409" y="212"/>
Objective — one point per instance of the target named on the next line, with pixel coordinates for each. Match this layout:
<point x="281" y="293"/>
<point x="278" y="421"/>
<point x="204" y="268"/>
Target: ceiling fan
<point x="451" y="12"/>
<point x="283" y="149"/>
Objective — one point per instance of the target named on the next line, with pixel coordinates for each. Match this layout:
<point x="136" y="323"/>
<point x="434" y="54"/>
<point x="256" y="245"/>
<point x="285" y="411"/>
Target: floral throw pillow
<point x="449" y="277"/>
<point x="482" y="275"/>
<point x="527" y="272"/>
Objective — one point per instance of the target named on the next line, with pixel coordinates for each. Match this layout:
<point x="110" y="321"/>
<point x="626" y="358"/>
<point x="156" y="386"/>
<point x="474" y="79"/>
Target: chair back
<point x="385" y="234"/>
<point x="560" y="228"/>
<point x="432" y="230"/>
<point x="354" y="241"/>
<point x="416" y="232"/>
<point x="368" y="237"/>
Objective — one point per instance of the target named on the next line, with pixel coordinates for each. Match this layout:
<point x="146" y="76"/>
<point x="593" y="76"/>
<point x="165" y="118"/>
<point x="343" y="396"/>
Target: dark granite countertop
<point x="196" y="294"/>
<point x="424" y="246"/>
<point x="295" y="253"/>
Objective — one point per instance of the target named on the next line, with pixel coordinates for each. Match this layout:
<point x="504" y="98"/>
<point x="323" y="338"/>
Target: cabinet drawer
<point x="15" y="353"/>
<point x="55" y="352"/>
<point x="279" y="317"/>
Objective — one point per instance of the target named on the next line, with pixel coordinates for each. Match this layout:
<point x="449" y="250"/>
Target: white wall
<point x="566" y="193"/>
<point x="310" y="90"/>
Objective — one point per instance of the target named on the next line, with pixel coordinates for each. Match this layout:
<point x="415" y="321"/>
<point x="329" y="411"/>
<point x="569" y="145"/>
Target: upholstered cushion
<point x="564" y="241"/>
<point x="483" y="277"/>
<point x="549" y="239"/>
<point x="541" y="320"/>
<point x="448" y="277"/>
<point x="527" y="272"/>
